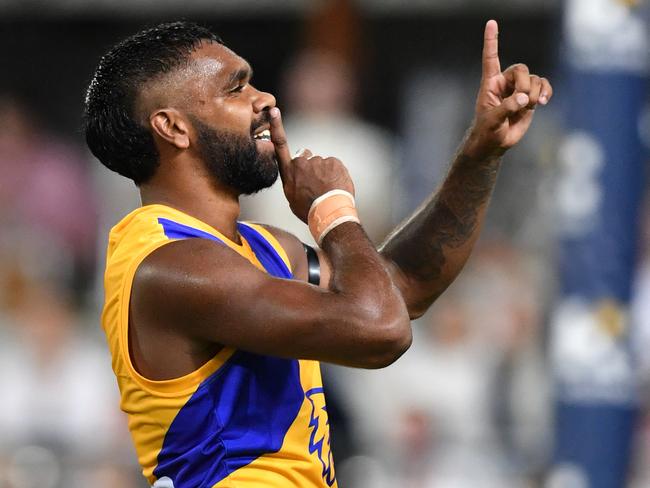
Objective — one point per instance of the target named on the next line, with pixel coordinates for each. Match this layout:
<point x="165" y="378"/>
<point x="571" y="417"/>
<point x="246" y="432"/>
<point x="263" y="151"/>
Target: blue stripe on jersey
<point x="236" y="415"/>
<point x="264" y="252"/>
<point x="174" y="230"/>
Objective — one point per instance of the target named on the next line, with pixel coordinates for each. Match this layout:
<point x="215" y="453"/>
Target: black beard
<point x="233" y="160"/>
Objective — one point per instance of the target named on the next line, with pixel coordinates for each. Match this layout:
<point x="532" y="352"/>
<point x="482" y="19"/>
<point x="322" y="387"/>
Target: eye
<point x="237" y="89"/>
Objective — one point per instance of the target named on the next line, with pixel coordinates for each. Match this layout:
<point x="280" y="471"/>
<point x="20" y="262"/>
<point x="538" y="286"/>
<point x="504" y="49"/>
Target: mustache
<point x="264" y="119"/>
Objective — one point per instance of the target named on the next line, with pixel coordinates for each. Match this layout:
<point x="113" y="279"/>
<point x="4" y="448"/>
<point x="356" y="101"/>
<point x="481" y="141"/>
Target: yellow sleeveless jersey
<point x="241" y="420"/>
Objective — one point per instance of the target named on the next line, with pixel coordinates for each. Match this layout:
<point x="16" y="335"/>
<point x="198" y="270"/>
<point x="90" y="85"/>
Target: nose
<point x="263" y="101"/>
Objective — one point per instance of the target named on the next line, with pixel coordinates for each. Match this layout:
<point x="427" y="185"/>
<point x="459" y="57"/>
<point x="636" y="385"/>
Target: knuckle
<point x="300" y="161"/>
<point x="519" y="68"/>
<point x="333" y="161"/>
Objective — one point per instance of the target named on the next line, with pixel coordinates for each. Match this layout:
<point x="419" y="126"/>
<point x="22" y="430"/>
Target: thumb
<point x="512" y="105"/>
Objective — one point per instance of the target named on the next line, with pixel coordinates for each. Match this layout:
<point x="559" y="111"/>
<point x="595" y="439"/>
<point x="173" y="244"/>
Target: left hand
<point x="305" y="176"/>
<point x="505" y="104"/>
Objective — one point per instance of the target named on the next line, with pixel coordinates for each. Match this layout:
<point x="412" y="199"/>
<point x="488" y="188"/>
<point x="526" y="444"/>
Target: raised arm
<point x="428" y="250"/>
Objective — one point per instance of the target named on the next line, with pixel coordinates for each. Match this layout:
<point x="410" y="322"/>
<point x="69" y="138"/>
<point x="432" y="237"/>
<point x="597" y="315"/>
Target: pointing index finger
<point x="491" y="64"/>
<point x="279" y="139"/>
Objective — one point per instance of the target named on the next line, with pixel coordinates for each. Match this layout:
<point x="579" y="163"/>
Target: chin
<point x="266" y="155"/>
<point x="265" y="176"/>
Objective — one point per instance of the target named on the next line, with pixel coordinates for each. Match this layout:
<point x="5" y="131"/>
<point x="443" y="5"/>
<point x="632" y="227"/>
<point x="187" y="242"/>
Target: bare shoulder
<point x="174" y="273"/>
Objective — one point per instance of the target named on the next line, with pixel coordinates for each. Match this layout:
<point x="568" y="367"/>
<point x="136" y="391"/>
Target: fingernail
<point x="543" y="99"/>
<point x="299" y="153"/>
<point x="275" y="112"/>
<point x="522" y="99"/>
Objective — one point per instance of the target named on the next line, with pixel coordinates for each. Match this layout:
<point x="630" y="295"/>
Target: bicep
<point x="417" y="295"/>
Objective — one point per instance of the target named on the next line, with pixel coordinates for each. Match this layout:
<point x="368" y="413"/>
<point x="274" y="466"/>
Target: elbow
<point x="418" y="304"/>
<point x="389" y="343"/>
<point x="418" y="307"/>
<point x="416" y="313"/>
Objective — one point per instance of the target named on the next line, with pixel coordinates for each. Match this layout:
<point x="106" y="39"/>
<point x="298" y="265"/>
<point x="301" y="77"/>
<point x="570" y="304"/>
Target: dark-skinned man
<point x="216" y="327"/>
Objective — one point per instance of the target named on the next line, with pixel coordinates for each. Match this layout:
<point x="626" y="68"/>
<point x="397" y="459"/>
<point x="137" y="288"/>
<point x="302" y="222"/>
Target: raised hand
<point x="505" y="103"/>
<point x="305" y="177"/>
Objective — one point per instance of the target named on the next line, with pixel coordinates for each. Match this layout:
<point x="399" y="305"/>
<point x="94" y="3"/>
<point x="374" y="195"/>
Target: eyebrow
<point x="240" y="75"/>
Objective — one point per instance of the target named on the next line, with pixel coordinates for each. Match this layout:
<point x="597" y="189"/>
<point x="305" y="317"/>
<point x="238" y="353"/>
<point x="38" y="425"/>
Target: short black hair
<point x="112" y="131"/>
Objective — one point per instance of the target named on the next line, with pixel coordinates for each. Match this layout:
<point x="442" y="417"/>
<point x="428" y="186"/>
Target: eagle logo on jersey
<point x="319" y="440"/>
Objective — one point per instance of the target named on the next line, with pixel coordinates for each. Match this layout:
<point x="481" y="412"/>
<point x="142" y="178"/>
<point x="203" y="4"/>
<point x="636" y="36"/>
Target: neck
<point x="195" y="194"/>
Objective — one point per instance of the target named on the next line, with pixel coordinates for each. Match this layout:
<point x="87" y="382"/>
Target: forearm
<point x="428" y="250"/>
<point x="373" y="305"/>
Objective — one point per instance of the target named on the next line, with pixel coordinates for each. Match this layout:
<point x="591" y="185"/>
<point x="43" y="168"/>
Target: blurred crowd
<point x="470" y="405"/>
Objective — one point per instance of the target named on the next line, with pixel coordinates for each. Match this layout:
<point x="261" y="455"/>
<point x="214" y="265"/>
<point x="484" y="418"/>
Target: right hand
<point x="305" y="177"/>
<point x="505" y="104"/>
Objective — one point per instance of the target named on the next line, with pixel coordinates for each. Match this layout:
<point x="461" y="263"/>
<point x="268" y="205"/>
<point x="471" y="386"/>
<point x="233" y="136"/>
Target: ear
<point x="171" y="126"/>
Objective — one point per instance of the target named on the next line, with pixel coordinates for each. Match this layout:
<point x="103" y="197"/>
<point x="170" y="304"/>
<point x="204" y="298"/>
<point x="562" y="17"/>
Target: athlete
<point x="216" y="327"/>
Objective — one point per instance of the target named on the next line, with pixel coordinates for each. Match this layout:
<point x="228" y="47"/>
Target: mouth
<point x="262" y="135"/>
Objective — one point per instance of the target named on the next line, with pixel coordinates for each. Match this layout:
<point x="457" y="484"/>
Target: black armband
<point x="313" y="265"/>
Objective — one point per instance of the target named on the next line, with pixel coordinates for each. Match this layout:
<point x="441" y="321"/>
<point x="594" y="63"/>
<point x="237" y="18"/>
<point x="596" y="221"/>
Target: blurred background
<point x="530" y="371"/>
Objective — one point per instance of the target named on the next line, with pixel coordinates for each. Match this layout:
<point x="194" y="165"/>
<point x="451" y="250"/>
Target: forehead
<point x="217" y="62"/>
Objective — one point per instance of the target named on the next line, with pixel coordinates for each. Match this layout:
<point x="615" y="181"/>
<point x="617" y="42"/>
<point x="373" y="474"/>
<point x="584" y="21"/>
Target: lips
<point x="262" y="135"/>
<point x="261" y="128"/>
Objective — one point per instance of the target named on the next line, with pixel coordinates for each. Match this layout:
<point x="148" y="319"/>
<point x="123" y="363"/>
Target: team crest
<point x="319" y="440"/>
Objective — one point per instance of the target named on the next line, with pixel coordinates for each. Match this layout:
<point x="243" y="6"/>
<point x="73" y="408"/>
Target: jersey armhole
<point x="171" y="387"/>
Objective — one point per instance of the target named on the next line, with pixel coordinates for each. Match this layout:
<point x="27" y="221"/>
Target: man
<point x="215" y="326"/>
